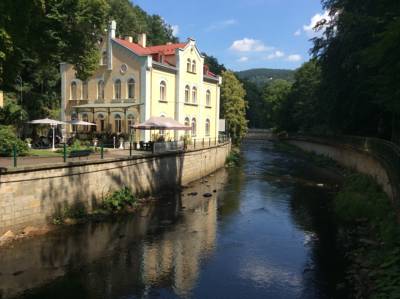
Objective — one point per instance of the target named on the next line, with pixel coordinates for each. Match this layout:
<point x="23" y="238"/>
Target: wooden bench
<point x="79" y="153"/>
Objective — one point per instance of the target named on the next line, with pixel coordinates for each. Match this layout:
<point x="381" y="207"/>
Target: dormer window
<point x="194" y="66"/>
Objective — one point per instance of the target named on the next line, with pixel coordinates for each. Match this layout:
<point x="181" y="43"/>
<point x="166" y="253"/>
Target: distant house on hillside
<point x="135" y="82"/>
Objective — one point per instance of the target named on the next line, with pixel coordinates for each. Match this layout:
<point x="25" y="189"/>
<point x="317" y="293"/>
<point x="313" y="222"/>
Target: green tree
<point x="213" y="64"/>
<point x="359" y="56"/>
<point x="233" y="106"/>
<point x="256" y="110"/>
<point x="274" y="96"/>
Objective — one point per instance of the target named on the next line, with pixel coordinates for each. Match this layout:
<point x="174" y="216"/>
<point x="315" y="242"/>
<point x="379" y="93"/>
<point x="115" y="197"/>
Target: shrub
<point x="7" y="141"/>
<point x="234" y="157"/>
<point x="119" y="200"/>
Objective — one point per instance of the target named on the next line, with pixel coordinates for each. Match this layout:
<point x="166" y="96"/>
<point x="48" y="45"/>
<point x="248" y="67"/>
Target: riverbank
<point x="368" y="231"/>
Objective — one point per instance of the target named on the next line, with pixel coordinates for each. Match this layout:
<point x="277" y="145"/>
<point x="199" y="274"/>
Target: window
<point x="85" y="117"/>
<point x="74" y="117"/>
<point x="118" y="123"/>
<point x="188" y="66"/>
<point x="104" y="58"/>
<point x="101" y="122"/>
<point x="207" y="127"/>
<point x="117" y="89"/>
<point x="187" y="94"/>
<point x="131" y="89"/>
<point x="74" y="91"/>
<point x="194" y="95"/>
<point x="85" y="91"/>
<point x="208" y="98"/>
<point x="163" y="90"/>
<point x="131" y="122"/>
<point x="100" y="90"/>
<point x="194" y="127"/>
<point x="194" y="66"/>
<point x="187" y="124"/>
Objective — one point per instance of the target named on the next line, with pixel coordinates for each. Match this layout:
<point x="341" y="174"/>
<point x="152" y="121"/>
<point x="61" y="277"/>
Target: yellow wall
<point x="157" y="107"/>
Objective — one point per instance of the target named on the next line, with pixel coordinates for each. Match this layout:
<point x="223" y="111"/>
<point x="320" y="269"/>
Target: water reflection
<point x="161" y="247"/>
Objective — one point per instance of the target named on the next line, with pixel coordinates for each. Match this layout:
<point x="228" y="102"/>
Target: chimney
<point x="128" y="38"/>
<point x="112" y="28"/>
<point x="142" y="39"/>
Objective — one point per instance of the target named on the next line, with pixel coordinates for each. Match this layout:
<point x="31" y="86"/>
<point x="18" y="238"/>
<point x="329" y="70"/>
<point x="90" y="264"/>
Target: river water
<point x="267" y="232"/>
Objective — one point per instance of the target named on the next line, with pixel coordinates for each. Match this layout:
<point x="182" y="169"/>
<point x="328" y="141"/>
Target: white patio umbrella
<point x="47" y="121"/>
<point x="77" y="122"/>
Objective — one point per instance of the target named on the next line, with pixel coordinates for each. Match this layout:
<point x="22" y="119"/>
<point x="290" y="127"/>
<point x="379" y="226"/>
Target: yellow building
<point x="135" y="82"/>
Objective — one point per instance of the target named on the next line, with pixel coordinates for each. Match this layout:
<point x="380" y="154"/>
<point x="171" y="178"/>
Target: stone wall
<point x="35" y="196"/>
<point x="349" y="157"/>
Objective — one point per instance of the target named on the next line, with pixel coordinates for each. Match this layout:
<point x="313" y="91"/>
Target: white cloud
<point x="294" y="58"/>
<point x="249" y="45"/>
<point x="222" y="25"/>
<point x="175" y="30"/>
<point x="297" y="32"/>
<point x="276" y="54"/>
<point x="243" y="59"/>
<point x="310" y="28"/>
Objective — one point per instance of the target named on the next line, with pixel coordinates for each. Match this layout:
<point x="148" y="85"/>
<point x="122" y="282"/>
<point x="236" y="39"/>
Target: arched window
<point x="85" y="117"/>
<point x="100" y="90"/>
<point x="194" y="95"/>
<point x="189" y="65"/>
<point x="74" y="91"/>
<point x="118" y="123"/>
<point x="74" y="116"/>
<point x="187" y="124"/>
<point x="117" y="89"/>
<point x="194" y="66"/>
<point x="104" y="58"/>
<point x="208" y="98"/>
<point x="163" y="91"/>
<point x="85" y="91"/>
<point x="207" y="127"/>
<point x="100" y="119"/>
<point x="194" y="127"/>
<point x="187" y="94"/>
<point x="131" y="89"/>
<point x="131" y="122"/>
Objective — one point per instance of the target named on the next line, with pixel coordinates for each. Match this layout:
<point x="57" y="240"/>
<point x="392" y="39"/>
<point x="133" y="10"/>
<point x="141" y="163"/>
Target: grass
<point x="233" y="159"/>
<point x="370" y="235"/>
<point x="44" y="153"/>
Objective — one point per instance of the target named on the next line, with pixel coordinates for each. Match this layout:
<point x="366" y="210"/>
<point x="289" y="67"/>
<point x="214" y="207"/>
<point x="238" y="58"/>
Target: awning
<point x="161" y="123"/>
<point x="107" y="105"/>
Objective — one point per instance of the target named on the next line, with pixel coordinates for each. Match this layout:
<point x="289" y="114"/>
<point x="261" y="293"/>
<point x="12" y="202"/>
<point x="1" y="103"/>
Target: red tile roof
<point x="168" y="49"/>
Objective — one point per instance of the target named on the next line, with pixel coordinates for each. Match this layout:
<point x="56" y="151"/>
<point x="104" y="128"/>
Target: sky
<point x="244" y="34"/>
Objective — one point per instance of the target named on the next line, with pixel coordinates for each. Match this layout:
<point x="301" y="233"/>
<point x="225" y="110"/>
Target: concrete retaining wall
<point x="36" y="196"/>
<point x="351" y="158"/>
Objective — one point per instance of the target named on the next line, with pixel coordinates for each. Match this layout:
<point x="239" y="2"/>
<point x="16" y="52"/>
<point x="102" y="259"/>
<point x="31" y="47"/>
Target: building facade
<point x="135" y="82"/>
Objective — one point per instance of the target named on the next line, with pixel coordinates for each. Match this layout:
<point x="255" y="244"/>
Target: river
<point x="267" y="232"/>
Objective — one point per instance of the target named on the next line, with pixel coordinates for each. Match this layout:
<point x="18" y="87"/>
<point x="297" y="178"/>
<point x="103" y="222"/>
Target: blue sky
<point x="244" y="34"/>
